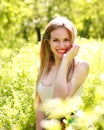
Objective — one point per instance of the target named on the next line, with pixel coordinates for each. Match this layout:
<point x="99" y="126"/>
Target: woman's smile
<point x="61" y="51"/>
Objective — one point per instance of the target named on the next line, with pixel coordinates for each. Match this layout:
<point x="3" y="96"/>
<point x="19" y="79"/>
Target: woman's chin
<point x="60" y="56"/>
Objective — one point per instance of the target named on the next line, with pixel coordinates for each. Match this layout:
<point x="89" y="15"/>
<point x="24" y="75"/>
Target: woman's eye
<point x="67" y="39"/>
<point x="55" y="40"/>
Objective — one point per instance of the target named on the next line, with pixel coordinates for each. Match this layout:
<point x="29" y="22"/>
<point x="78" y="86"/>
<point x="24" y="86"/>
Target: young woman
<point x="61" y="74"/>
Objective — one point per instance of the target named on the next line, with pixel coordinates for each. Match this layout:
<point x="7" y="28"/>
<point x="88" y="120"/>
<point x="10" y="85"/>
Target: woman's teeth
<point x="62" y="51"/>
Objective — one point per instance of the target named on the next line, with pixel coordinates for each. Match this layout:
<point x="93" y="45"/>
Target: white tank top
<point x="47" y="92"/>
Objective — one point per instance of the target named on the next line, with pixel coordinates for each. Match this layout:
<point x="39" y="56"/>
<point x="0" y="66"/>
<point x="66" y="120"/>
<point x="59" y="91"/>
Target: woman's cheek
<point x="70" y="47"/>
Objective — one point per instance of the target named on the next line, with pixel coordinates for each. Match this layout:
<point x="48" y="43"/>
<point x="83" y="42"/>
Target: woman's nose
<point x="62" y="44"/>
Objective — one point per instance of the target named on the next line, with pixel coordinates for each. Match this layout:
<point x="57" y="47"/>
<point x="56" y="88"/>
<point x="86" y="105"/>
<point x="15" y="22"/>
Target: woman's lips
<point x="63" y="51"/>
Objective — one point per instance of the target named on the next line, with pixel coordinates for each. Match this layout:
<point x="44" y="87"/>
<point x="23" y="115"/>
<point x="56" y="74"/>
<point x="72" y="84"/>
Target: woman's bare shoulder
<point x="82" y="64"/>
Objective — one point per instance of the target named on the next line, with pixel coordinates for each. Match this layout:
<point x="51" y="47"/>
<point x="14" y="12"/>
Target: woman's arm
<point x="64" y="88"/>
<point x="39" y="115"/>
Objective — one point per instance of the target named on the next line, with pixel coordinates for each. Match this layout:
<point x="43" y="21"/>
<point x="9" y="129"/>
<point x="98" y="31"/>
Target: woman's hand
<point x="72" y="52"/>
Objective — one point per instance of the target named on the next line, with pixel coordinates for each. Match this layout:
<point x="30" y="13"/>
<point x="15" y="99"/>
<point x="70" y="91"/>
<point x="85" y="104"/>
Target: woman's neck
<point x="58" y="61"/>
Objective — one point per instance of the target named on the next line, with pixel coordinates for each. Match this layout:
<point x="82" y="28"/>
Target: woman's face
<point x="60" y="41"/>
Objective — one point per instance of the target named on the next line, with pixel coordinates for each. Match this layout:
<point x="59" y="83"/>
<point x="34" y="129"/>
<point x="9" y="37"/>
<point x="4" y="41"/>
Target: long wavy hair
<point x="46" y="55"/>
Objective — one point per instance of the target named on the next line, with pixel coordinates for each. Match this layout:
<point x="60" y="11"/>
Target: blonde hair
<point x="46" y="55"/>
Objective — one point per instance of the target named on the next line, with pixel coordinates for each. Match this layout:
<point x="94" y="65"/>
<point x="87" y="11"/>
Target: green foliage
<point x="17" y="83"/>
<point x="92" y="51"/>
<point x="16" y="20"/>
<point x="26" y="19"/>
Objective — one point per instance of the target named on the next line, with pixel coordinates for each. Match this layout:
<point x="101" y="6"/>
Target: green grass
<point x="92" y="51"/>
<point x="18" y="72"/>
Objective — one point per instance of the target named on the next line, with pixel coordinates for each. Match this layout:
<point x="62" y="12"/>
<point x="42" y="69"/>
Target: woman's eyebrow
<point x="54" y="37"/>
